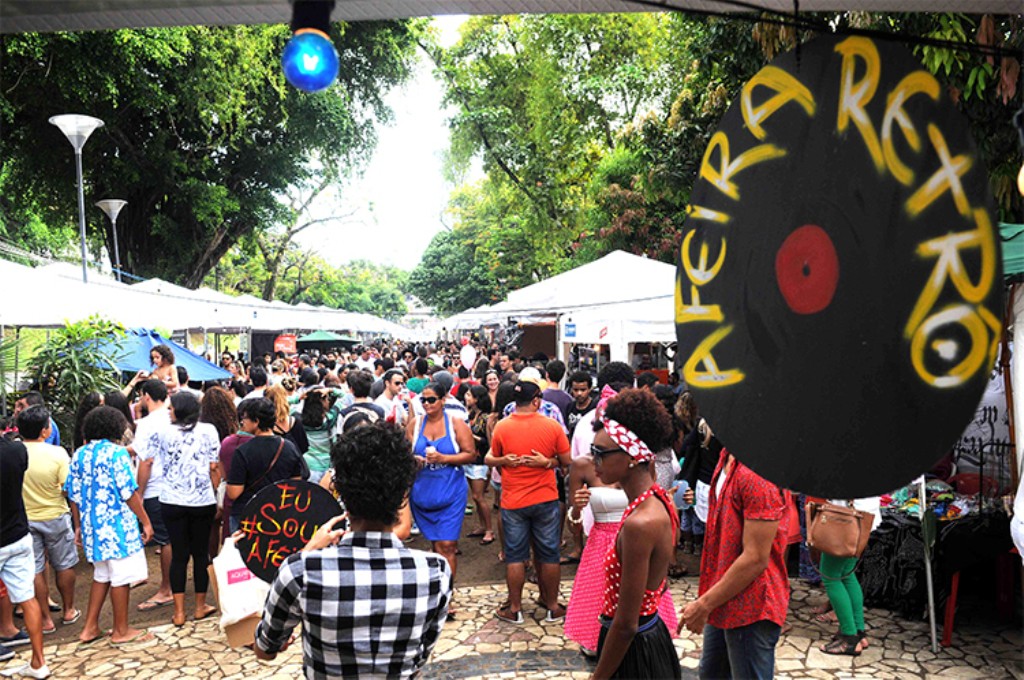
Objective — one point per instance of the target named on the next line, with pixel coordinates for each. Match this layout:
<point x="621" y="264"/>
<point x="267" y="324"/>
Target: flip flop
<point x="68" y="622"/>
<point x="508" y="616"/>
<point x="49" y="631"/>
<point x="150" y="605"/>
<point x="210" y="612"/>
<point x="569" y="560"/>
<point x="141" y="636"/>
<point x="551" y="618"/>
<point x="476" y="534"/>
<point x="92" y="641"/>
<point x="487" y="541"/>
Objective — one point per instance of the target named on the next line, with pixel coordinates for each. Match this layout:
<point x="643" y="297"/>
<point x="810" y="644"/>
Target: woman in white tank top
<point x="607" y="503"/>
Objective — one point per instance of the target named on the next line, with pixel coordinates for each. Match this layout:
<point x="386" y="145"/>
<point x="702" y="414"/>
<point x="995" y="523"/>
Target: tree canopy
<point x="303" y="276"/>
<point x="592" y="128"/>
<point x="202" y="134"/>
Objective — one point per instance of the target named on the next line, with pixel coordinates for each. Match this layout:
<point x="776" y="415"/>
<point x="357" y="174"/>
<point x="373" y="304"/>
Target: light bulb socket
<point x="313" y="31"/>
<point x="315" y="14"/>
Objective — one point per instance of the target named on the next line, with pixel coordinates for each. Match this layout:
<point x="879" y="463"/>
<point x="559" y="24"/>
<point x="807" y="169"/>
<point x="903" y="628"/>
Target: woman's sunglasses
<point x="597" y="452"/>
<point x="430" y="400"/>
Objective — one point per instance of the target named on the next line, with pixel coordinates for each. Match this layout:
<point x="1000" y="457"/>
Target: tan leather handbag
<point x="836" y="530"/>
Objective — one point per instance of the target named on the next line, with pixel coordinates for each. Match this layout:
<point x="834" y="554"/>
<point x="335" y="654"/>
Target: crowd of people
<point x="622" y="475"/>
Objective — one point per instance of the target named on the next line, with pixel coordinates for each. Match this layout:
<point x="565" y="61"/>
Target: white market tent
<point x="620" y="325"/>
<point x="55" y="294"/>
<point x="617" y="300"/>
<point x="617" y="277"/>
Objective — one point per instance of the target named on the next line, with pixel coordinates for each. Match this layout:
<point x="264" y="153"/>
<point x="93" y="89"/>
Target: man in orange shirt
<point x="528" y="446"/>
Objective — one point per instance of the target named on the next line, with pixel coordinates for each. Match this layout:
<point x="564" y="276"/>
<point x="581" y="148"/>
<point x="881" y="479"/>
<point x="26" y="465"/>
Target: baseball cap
<point x="531" y="375"/>
<point x="526" y="390"/>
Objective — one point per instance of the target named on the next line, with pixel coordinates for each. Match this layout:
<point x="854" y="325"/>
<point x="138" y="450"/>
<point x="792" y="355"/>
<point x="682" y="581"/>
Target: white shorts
<point x="476" y="471"/>
<point x="122" y="572"/>
<point x="18" y="569"/>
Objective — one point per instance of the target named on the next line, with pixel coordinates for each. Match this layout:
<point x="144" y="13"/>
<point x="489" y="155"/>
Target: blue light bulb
<point x="310" y="61"/>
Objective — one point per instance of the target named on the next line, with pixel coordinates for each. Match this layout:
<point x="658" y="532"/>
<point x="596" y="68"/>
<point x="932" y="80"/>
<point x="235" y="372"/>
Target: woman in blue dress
<point x="442" y="445"/>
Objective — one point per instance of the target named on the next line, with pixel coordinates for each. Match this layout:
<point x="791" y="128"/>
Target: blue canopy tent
<point x="131" y="354"/>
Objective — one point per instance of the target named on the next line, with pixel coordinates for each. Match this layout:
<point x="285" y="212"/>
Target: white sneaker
<point x="27" y="671"/>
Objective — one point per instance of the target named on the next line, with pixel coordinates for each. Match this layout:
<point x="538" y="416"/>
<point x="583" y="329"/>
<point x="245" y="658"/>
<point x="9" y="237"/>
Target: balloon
<point x="465" y="341"/>
<point x="468" y="356"/>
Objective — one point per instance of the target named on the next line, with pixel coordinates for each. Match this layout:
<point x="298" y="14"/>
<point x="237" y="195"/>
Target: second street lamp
<point x="112" y="206"/>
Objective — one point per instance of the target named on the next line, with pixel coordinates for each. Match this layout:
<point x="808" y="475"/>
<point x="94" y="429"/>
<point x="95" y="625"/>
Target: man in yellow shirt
<point x="49" y="518"/>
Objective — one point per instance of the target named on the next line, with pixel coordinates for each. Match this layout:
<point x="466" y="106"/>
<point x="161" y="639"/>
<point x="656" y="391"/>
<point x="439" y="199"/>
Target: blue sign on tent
<point x="570" y="330"/>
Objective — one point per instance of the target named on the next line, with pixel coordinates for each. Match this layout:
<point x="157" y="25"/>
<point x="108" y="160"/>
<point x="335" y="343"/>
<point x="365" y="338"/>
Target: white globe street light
<point x="112" y="206"/>
<point x="77" y="129"/>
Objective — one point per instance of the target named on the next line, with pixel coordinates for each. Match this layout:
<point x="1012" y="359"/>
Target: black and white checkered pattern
<point x="368" y="607"/>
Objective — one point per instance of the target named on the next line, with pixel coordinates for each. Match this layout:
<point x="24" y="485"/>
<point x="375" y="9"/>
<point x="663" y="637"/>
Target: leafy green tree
<point x="540" y="100"/>
<point x="359" y="286"/>
<point x="448" y="277"/>
<point x="202" y="134"/>
<point x="71" y="363"/>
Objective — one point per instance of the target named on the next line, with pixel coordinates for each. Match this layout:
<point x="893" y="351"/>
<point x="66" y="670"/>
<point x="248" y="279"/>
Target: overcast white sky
<point x="399" y="200"/>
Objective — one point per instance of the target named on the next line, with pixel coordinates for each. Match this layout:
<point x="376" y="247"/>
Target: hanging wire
<point x="796" y="17"/>
<point x="755" y="13"/>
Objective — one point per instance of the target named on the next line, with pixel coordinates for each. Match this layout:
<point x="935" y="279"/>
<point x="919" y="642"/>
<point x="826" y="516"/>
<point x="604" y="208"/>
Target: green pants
<point x="843" y="592"/>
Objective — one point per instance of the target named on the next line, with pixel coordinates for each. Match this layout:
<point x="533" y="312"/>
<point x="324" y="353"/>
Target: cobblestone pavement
<point x="475" y="645"/>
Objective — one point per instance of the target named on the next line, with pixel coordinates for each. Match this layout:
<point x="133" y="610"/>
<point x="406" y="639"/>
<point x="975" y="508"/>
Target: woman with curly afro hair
<point x="634" y="640"/>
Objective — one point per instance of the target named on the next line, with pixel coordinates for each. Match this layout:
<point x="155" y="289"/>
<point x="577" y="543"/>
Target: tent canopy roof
<point x="326" y="336"/>
<point x="131" y="353"/>
<point x="617" y="277"/>
<point x="60" y="295"/>
<point x="1012" y="236"/>
<point x="85" y="15"/>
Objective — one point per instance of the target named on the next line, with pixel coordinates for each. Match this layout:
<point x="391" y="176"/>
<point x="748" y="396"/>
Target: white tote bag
<point x="240" y="592"/>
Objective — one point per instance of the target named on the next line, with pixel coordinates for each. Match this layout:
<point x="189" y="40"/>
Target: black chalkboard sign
<point x="280" y="520"/>
<point x="839" y="286"/>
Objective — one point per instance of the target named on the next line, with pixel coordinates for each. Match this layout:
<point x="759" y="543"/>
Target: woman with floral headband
<point x="634" y="640"/>
<point x="608" y="503"/>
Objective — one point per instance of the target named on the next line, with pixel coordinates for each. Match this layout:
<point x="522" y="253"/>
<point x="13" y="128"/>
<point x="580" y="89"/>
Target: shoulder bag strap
<point x="280" y="447"/>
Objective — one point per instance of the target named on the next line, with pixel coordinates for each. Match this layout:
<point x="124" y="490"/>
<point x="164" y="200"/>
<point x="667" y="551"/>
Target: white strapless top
<point x="608" y="503"/>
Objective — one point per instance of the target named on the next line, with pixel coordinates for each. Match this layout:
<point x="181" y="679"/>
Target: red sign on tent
<point x="285" y="343"/>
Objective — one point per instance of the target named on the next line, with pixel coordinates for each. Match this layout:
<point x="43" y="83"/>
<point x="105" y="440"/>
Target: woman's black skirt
<point x="650" y="655"/>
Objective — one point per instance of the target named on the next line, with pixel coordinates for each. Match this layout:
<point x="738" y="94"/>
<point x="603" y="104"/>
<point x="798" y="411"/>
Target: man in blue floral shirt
<point x="105" y="503"/>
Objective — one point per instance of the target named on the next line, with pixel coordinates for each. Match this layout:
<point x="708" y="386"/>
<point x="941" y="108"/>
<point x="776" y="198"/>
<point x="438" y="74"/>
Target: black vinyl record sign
<point x="279" y="520"/>
<point x="839" y="287"/>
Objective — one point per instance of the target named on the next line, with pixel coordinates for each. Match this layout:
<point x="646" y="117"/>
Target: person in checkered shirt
<point x="368" y="605"/>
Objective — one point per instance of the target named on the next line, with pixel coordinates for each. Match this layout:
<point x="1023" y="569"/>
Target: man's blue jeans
<point x="744" y="652"/>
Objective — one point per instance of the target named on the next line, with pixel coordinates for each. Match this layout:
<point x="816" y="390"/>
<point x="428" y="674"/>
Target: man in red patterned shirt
<point x="744" y="588"/>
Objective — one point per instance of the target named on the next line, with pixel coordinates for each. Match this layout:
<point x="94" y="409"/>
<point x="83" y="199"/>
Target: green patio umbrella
<point x="325" y="337"/>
